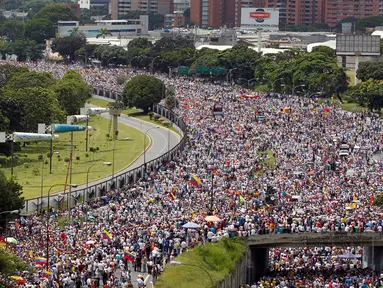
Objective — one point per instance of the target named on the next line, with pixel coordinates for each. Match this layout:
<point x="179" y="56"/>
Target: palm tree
<point x="103" y="33"/>
<point x="75" y="30"/>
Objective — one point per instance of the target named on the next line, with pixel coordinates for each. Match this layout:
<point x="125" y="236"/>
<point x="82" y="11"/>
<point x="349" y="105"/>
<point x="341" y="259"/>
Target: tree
<point x="326" y="50"/>
<point x="171" y="44"/>
<point x="156" y="21"/>
<point x="34" y="6"/>
<point x="30" y="80"/>
<point x="86" y="16"/>
<point x="378" y="201"/>
<point x="140" y="42"/>
<point x="27" y="49"/>
<point x="370" y="70"/>
<point x="368" y="94"/>
<point x="10" y="264"/>
<point x="72" y="95"/>
<point x="86" y="52"/>
<point x="2" y="17"/>
<point x="39" y="106"/>
<point x="13" y="30"/>
<point x="40" y="30"/>
<point x="10" y="196"/>
<point x="8" y="71"/>
<point x="72" y="92"/>
<point x="171" y="100"/>
<point x="55" y="13"/>
<point x="142" y="92"/>
<point x="110" y="54"/>
<point x="103" y="33"/>
<point x="67" y="46"/>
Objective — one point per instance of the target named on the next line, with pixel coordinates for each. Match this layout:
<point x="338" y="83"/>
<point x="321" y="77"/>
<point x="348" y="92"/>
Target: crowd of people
<point x="273" y="164"/>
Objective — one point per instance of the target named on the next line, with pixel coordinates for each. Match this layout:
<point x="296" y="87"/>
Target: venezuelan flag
<point x="46" y="274"/>
<point x="194" y="180"/>
<point x="171" y="196"/>
<point x="287" y="195"/>
<point x="129" y="256"/>
<point x="107" y="235"/>
<point x="40" y="261"/>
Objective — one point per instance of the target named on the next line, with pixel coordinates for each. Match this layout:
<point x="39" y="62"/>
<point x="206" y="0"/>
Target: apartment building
<point x="181" y="5"/>
<point x="119" y="7"/>
<point x="217" y="13"/>
<point x="309" y="12"/>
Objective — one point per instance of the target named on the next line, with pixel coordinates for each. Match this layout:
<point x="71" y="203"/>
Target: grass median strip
<point x="28" y="163"/>
<point x="136" y="113"/>
<point x="218" y="259"/>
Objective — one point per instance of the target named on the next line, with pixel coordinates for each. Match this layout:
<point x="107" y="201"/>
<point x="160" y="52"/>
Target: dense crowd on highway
<point x="274" y="164"/>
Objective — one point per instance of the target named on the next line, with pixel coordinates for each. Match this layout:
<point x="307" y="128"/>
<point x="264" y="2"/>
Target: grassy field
<point x="132" y="112"/>
<point x="28" y="166"/>
<point x="218" y="259"/>
<point x="267" y="164"/>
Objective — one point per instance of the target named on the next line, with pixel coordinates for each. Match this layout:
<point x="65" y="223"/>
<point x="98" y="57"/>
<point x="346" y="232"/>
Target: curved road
<point x="162" y="139"/>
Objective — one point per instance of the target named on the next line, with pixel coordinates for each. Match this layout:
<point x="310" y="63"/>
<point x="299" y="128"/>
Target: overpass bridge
<point x="258" y="252"/>
<point x="316" y="239"/>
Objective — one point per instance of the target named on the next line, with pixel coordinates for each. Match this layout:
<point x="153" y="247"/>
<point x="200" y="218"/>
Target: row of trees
<point x="27" y="40"/>
<point x="28" y="98"/>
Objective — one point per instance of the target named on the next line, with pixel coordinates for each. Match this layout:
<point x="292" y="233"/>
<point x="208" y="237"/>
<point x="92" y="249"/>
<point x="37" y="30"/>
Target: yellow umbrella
<point x="16" y="278"/>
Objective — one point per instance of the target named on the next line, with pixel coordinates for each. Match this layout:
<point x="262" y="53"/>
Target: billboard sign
<point x="62" y="128"/>
<point x="260" y="18"/>
<point x="97" y="110"/>
<point x="357" y="45"/>
<point x="32" y="137"/>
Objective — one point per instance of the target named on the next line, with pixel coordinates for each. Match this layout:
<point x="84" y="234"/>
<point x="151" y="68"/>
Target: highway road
<point x="162" y="140"/>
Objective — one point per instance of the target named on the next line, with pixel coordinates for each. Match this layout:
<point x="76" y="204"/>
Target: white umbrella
<point x="11" y="240"/>
<point x="191" y="225"/>
<point x="90" y="242"/>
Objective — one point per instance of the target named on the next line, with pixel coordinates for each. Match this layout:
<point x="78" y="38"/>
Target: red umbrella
<point x="327" y="109"/>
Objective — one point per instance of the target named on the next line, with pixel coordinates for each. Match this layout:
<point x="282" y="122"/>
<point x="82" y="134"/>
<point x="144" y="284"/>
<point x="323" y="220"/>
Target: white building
<point x="118" y="28"/>
<point x="84" y="4"/>
<point x="181" y="5"/>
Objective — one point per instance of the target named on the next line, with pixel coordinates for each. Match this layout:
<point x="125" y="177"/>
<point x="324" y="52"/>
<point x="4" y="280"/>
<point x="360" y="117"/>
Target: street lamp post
<point x="145" y="134"/>
<point x="42" y="178"/>
<point x="87" y="187"/>
<point x="130" y="61"/>
<point x="152" y="66"/>
<point x="176" y="263"/>
<point x="107" y="62"/>
<point x="275" y="81"/>
<point x="114" y="145"/>
<point x="297" y="86"/>
<point x="47" y="227"/>
<point x="293" y="88"/>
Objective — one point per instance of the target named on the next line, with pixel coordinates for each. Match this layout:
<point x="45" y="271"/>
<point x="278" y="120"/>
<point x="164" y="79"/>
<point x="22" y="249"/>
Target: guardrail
<point x="100" y="189"/>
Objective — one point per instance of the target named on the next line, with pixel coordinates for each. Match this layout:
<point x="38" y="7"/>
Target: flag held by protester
<point x="129" y="256"/>
<point x="195" y="181"/>
<point x="107" y="235"/>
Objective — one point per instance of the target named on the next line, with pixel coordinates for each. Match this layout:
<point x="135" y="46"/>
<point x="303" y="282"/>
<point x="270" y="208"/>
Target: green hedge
<point x="219" y="259"/>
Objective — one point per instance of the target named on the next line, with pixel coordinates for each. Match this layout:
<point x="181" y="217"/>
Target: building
<point x="84" y="4"/>
<point x="118" y="28"/>
<point x="182" y="5"/>
<point x="174" y="20"/>
<point x="74" y="7"/>
<point x="118" y="7"/>
<point x="336" y="11"/>
<point x="309" y="12"/>
<point x="219" y="13"/>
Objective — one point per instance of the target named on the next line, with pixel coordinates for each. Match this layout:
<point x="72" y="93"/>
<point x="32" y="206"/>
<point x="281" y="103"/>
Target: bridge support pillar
<point x="374" y="258"/>
<point x="259" y="260"/>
